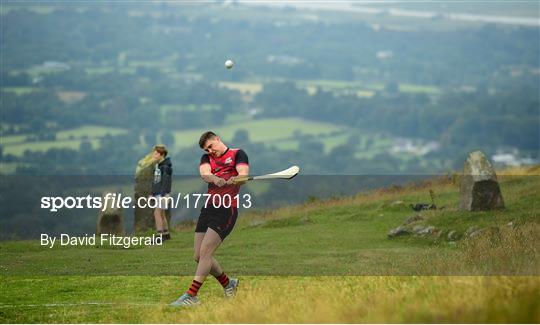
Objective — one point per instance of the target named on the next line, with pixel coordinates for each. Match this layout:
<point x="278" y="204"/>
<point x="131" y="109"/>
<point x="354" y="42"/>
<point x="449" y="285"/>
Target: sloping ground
<point x="324" y="261"/>
<point x="344" y="299"/>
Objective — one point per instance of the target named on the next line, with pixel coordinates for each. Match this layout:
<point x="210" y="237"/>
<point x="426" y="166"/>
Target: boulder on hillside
<point x="479" y="189"/>
<point x="110" y="220"/>
<point x="412" y="225"/>
<point x="399" y="231"/>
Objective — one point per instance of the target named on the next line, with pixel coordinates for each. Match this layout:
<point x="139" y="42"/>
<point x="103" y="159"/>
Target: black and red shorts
<point x="221" y="220"/>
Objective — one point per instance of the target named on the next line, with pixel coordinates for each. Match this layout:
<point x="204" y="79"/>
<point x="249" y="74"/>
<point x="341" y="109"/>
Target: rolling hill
<point x="321" y="261"/>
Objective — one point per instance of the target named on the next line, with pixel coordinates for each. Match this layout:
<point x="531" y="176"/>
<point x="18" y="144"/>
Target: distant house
<point x="283" y="59"/>
<point x="383" y="55"/>
<point x="418" y="147"/>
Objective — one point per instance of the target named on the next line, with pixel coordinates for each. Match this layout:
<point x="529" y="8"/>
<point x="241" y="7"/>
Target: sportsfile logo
<point x="120" y="201"/>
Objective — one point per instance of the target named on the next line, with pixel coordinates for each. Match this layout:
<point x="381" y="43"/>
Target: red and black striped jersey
<point x="224" y="167"/>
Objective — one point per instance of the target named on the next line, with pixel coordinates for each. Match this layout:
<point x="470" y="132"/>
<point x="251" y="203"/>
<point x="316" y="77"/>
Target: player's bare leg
<point x="159" y="220"/>
<point x="216" y="269"/>
<point x="166" y="234"/>
<point x="209" y="244"/>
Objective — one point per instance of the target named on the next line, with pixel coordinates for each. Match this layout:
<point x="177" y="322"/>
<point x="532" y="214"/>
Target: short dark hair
<point x="205" y="137"/>
<point x="162" y="149"/>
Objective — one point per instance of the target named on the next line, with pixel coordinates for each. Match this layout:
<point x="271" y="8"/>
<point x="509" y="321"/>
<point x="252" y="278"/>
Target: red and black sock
<point x="223" y="279"/>
<point x="194" y="288"/>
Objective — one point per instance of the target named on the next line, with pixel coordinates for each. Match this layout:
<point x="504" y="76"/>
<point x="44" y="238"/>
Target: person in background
<point x="161" y="189"/>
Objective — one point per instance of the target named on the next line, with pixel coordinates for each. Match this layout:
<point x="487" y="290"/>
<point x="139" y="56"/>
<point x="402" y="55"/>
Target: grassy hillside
<point x="324" y="261"/>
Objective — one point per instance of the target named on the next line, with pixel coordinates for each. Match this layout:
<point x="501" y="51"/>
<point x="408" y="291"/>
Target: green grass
<point x="308" y="239"/>
<point x="318" y="249"/>
<point x="139" y="299"/>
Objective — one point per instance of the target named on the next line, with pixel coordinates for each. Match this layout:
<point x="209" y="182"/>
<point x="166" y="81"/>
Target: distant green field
<point x="90" y="131"/>
<point x="19" y="90"/>
<point x="379" y="144"/>
<point x="190" y="107"/>
<point x="39" y="9"/>
<point x="10" y="139"/>
<point x="411" y="88"/>
<point x="262" y="130"/>
<point x="329" y="142"/>
<point x="19" y="148"/>
<point x="70" y="139"/>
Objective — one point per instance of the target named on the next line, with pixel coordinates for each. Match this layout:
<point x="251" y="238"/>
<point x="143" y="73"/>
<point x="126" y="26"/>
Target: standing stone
<point x="144" y="176"/>
<point x="111" y="220"/>
<point x="479" y="188"/>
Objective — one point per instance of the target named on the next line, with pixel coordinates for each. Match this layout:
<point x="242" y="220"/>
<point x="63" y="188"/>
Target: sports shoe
<point x="230" y="289"/>
<point x="186" y="300"/>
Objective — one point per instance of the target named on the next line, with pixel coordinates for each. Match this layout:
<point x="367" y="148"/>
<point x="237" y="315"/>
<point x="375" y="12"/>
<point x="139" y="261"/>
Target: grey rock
<point x="110" y="220"/>
<point x="479" y="188"/>
<point x="418" y="228"/>
<point x="396" y="203"/>
<point x="423" y="206"/>
<point x="412" y="219"/>
<point x="475" y="231"/>
<point x="399" y="231"/>
<point x="471" y="230"/>
<point x="452" y="235"/>
<point x="424" y="230"/>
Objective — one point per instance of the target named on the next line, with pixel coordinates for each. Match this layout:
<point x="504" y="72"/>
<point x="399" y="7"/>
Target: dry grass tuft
<point x="369" y="299"/>
<point x="504" y="250"/>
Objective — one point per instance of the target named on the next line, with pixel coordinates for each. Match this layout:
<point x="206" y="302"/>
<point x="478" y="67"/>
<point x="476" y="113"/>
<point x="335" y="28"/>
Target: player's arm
<point x="206" y="172"/>
<point x="242" y="167"/>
